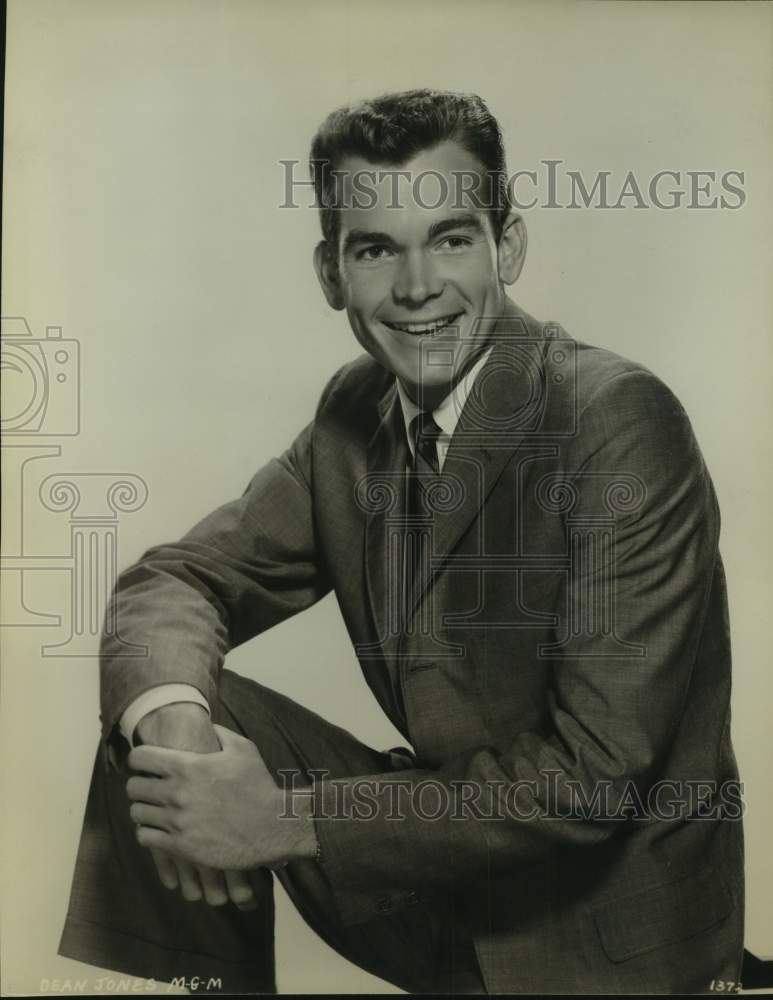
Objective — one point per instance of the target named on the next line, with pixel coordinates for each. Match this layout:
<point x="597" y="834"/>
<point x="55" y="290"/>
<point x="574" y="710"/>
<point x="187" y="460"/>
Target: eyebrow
<point x="358" y="237"/>
<point x="469" y="222"/>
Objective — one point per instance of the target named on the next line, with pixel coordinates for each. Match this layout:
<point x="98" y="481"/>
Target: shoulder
<point x="603" y="373"/>
<point x="614" y="414"/>
<point x="615" y="393"/>
<point x="584" y="384"/>
<point x="355" y="389"/>
<point x="630" y="421"/>
<point x="347" y="414"/>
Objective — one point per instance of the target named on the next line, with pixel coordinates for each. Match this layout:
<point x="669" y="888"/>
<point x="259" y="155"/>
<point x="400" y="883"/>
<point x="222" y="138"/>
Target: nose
<point x="416" y="279"/>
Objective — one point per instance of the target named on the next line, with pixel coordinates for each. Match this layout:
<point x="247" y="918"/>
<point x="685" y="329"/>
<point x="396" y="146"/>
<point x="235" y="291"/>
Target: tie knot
<point x="425" y="435"/>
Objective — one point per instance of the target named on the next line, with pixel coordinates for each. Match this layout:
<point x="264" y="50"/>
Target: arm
<point x="242" y="569"/>
<point x="155" y="698"/>
<point x="245" y="567"/>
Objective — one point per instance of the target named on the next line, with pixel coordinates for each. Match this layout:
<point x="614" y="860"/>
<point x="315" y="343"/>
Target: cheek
<point x="474" y="275"/>
<point x="365" y="292"/>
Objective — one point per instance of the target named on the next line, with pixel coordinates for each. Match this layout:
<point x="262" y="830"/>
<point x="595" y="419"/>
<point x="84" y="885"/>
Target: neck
<point x="428" y="399"/>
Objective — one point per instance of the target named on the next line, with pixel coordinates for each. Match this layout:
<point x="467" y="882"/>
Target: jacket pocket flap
<point x="651" y="918"/>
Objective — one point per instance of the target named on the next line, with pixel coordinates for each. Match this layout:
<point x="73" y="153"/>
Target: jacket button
<point x="384" y="904"/>
<point x="412" y="898"/>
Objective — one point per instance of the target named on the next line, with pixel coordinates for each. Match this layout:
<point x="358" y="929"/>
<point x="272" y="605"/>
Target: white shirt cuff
<point x="157" y="697"/>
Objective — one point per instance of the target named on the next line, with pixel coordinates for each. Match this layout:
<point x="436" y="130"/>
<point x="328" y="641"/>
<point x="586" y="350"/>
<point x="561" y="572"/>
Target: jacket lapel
<point x="504" y="407"/>
<point x="382" y="497"/>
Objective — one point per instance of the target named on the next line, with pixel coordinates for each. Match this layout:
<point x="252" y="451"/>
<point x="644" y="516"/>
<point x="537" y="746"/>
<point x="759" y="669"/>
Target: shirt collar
<point x="446" y="414"/>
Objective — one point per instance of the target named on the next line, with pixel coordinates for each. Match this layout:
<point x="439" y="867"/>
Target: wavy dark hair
<point x="391" y="129"/>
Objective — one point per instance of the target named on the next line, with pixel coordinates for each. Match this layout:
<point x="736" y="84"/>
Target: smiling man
<point x="435" y="269"/>
<point x="523" y="540"/>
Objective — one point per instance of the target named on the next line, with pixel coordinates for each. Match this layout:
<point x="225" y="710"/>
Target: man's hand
<point x="222" y="810"/>
<point x="186" y="726"/>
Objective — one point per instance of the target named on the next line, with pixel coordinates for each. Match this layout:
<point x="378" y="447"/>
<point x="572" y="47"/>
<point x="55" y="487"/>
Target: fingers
<point x="240" y="890"/>
<point x="190" y="886"/>
<point x="146" y="790"/>
<point x="156" y="760"/>
<point x="149" y="836"/>
<point x="193" y="883"/>
<point x="213" y="884"/>
<point x="216" y="887"/>
<point x="165" y="762"/>
<point x="166" y="868"/>
<point x="144" y="814"/>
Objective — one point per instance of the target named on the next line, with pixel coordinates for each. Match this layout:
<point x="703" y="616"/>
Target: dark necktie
<point x="425" y="467"/>
<point x="425" y="433"/>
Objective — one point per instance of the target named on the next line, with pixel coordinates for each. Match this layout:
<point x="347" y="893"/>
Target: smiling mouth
<point x="427" y="328"/>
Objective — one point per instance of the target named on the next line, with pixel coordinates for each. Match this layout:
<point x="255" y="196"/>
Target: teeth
<point x="430" y="327"/>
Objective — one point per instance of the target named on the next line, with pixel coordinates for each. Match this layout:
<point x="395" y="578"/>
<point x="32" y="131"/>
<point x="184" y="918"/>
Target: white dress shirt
<point x="446" y="416"/>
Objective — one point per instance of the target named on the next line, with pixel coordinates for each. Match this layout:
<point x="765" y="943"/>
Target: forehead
<point x="438" y="183"/>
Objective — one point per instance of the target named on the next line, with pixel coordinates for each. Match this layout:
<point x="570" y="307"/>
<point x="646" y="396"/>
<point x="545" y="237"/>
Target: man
<point x="522" y="537"/>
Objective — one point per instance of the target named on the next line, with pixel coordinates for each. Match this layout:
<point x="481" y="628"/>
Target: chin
<point x="428" y="391"/>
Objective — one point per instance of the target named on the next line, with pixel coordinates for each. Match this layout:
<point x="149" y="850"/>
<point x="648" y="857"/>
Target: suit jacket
<point x="563" y="680"/>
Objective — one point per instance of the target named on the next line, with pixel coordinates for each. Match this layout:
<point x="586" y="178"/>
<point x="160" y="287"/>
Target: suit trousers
<point x="120" y="916"/>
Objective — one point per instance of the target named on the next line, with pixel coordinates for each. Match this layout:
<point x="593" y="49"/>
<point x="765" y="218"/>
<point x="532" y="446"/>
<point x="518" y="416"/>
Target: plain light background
<point x="140" y="197"/>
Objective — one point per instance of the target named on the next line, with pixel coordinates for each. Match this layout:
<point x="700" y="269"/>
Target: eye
<point x="375" y="252"/>
<point x="454" y="243"/>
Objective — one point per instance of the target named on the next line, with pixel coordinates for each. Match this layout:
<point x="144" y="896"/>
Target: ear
<point x="326" y="266"/>
<point x="511" y="251"/>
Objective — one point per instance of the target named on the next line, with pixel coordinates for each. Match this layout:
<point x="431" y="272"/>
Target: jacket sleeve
<point x="245" y="567"/>
<point x="611" y="719"/>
